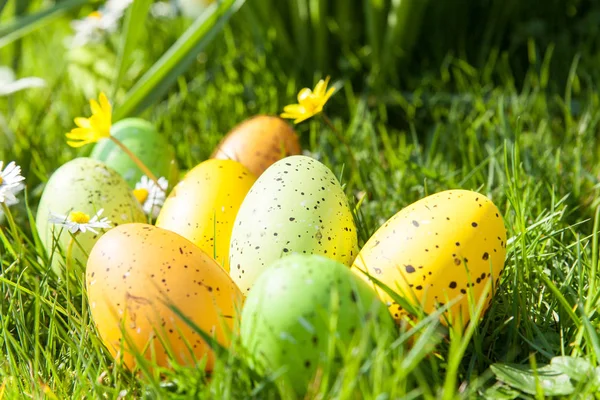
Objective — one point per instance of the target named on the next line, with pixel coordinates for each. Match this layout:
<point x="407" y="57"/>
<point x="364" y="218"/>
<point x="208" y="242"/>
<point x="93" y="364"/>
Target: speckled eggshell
<point x="85" y="185"/>
<point x="259" y="142"/>
<point x="436" y="250"/>
<point x="286" y="317"/>
<point x="296" y="206"/>
<point x="203" y="206"/>
<point x="142" y="139"/>
<point x="134" y="272"/>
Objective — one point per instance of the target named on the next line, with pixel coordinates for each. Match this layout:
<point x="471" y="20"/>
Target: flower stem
<point x="68" y="270"/>
<point x="139" y="162"/>
<point x="345" y="143"/>
<point x="13" y="226"/>
<point x="70" y="254"/>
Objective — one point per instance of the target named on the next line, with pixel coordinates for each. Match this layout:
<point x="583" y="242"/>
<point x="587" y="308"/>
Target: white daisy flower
<point x="78" y="221"/>
<point x="193" y="8"/>
<point x="9" y="83"/>
<point x="150" y="196"/>
<point x="11" y="183"/>
<point x="99" y="23"/>
<point x="163" y="9"/>
<point x="316" y="155"/>
<point x="117" y="7"/>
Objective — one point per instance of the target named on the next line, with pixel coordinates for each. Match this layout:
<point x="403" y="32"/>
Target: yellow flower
<point x="94" y="128"/>
<point x="310" y="102"/>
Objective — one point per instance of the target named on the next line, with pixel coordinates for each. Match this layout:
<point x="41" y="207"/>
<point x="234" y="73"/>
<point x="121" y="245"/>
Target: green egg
<point x="141" y="138"/>
<point x="308" y="313"/>
<point x="296" y="206"/>
<point x="83" y="185"/>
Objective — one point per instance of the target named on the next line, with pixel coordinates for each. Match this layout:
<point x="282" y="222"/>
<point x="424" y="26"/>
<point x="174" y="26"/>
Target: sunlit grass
<point x="531" y="147"/>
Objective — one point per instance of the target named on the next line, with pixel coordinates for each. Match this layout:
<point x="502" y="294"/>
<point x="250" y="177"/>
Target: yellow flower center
<point x="79" y="218"/>
<point x="1" y="180"/>
<point x="95" y="14"/>
<point x="141" y="195"/>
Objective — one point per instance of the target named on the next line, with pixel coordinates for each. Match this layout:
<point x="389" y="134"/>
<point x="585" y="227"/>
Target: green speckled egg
<point x="287" y="314"/>
<point x="87" y="186"/>
<point x="296" y="206"/>
<point x="438" y="250"/>
<point x="144" y="141"/>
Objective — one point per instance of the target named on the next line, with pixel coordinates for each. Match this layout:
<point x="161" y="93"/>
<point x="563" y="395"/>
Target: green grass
<point x="529" y="142"/>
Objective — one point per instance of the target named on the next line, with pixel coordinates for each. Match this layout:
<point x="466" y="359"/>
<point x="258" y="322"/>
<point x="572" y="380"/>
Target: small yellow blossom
<point x="78" y="221"/>
<point x="79" y="217"/>
<point x="94" y="128"/>
<point x="310" y="102"/>
<point x="141" y="195"/>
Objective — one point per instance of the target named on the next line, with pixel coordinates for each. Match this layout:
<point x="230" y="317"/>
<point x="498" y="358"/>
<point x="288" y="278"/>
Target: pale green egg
<point x="86" y="186"/>
<point x="304" y="316"/>
<point x="142" y="139"/>
<point x="296" y="206"/>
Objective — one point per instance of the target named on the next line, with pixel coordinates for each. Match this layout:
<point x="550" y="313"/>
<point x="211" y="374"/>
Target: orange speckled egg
<point x="258" y="143"/>
<point x="203" y="206"/>
<point x="134" y="271"/>
<point x="436" y="251"/>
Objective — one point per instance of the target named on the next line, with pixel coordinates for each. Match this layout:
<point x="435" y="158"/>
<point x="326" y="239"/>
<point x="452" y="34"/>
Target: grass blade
<point x="23" y="26"/>
<point x="178" y="58"/>
<point x="134" y="26"/>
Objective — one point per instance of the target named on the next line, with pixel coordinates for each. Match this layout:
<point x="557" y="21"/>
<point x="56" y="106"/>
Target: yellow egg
<point x="436" y="251"/>
<point x="134" y="271"/>
<point x="203" y="206"/>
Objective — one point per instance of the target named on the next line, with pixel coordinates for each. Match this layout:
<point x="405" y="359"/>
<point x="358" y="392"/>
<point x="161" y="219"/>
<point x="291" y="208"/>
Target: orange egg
<point x="258" y="143"/>
<point x="134" y="272"/>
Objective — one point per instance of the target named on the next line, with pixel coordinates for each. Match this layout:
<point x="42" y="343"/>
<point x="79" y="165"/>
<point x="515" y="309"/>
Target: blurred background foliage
<point x="379" y="43"/>
<point x="376" y="44"/>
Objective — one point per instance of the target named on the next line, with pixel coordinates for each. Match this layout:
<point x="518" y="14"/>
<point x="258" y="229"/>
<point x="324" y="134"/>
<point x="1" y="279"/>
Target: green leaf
<point x="521" y="377"/>
<point x="134" y="26"/>
<point x="157" y="80"/>
<point x="23" y="26"/>
<point x="578" y="369"/>
<point x="500" y="392"/>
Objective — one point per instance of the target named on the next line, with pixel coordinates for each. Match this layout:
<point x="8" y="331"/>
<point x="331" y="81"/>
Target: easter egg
<point x="136" y="273"/>
<point x="258" y="143"/>
<point x="296" y="206"/>
<point x="203" y="206"/>
<point x="288" y="314"/>
<point x="85" y="186"/>
<point x="436" y="251"/>
<point x="143" y="140"/>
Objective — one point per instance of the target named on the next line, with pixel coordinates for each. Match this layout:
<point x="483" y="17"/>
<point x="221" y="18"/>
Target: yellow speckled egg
<point x="203" y="206"/>
<point x="134" y="271"/>
<point x="259" y="142"/>
<point x="436" y="250"/>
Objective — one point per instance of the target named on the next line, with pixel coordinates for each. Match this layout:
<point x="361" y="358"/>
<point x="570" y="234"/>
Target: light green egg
<point x="143" y="140"/>
<point x="296" y="206"/>
<point x="83" y="185"/>
<point x="307" y="313"/>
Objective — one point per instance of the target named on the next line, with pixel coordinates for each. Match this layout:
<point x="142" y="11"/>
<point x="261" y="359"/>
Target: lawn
<point x="495" y="97"/>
